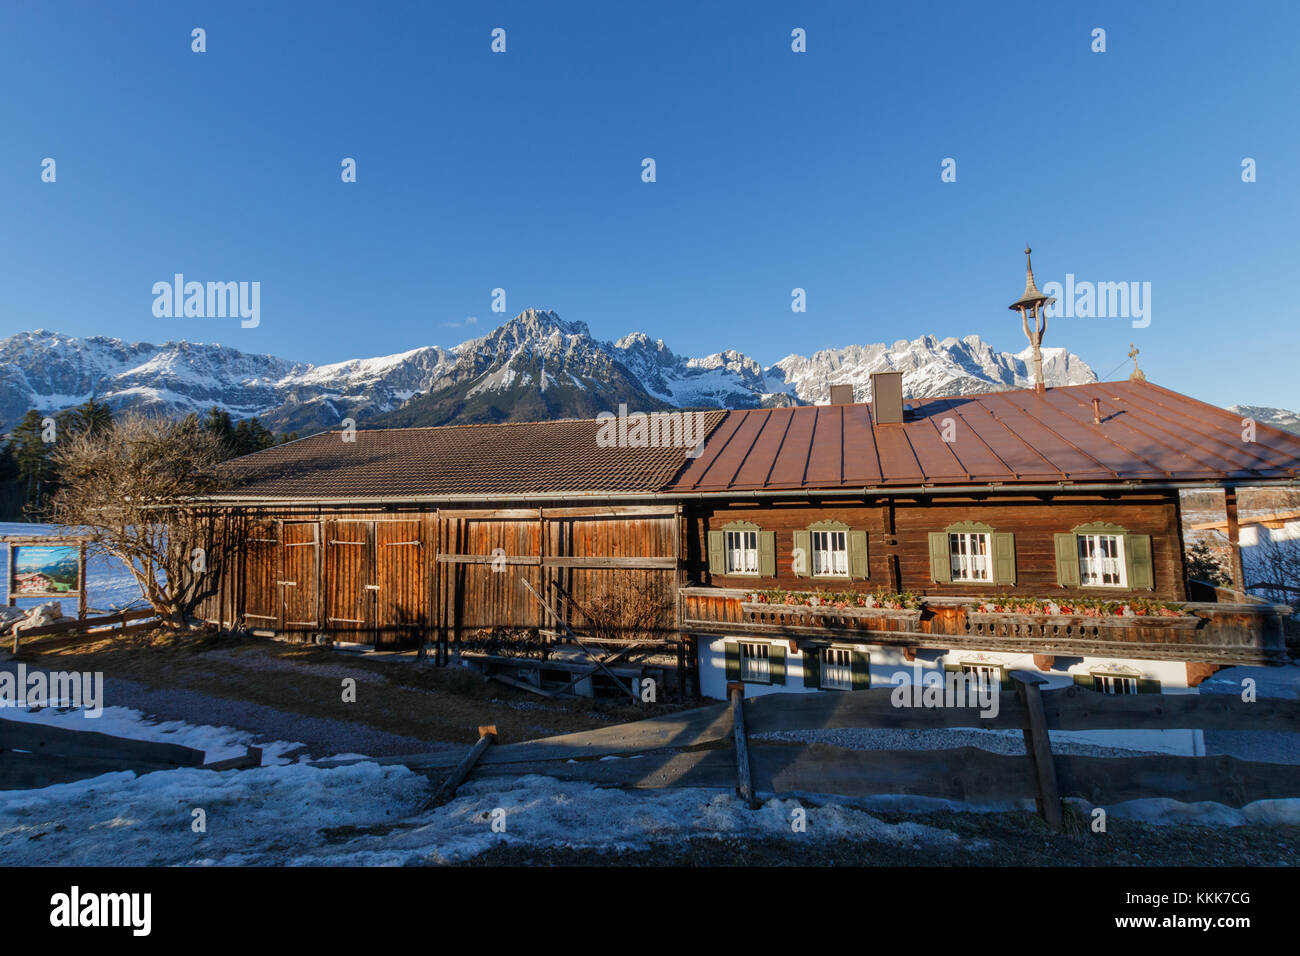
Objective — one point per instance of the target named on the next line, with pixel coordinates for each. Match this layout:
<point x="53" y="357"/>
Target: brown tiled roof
<point x="1147" y="433"/>
<point x="486" y="461"/>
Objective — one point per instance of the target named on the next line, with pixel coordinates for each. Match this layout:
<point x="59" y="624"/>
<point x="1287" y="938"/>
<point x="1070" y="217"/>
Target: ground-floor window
<point x="1114" y="684"/>
<point x="837" y="668"/>
<point x="985" y="677"/>
<point x="754" y="664"/>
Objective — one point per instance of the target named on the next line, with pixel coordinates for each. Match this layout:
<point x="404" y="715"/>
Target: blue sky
<point x="775" y="170"/>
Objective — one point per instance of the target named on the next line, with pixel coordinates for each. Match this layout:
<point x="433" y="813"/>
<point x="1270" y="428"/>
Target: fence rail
<point x="702" y="748"/>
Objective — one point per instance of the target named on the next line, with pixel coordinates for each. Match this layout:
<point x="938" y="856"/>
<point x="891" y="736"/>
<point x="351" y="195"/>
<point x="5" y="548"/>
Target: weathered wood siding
<point x="901" y="560"/>
<point x="396" y="578"/>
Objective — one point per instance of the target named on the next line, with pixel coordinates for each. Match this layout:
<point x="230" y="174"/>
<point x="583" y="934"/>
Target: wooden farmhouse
<point x="904" y="533"/>
<point x="796" y="550"/>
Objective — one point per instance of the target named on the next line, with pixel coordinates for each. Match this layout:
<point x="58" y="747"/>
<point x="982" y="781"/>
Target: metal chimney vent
<point x="841" y="394"/>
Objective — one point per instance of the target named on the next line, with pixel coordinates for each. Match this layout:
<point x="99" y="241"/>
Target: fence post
<point x="744" y="774"/>
<point x="1038" y="747"/>
<point x="487" y="737"/>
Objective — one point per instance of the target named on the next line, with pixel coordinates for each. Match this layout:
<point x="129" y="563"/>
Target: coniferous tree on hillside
<point x="36" y="472"/>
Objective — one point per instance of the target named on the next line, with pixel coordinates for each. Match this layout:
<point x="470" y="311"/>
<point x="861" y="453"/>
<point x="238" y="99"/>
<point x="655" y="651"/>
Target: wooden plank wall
<point x="898" y="547"/>
<point x="395" y="578"/>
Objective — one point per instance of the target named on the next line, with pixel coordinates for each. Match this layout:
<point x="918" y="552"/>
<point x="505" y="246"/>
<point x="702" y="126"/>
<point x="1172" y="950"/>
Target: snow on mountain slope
<point x="537" y="364"/>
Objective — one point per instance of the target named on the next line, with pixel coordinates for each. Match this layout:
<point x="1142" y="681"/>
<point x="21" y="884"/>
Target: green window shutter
<point x="776" y="662"/>
<point x="861" y="665"/>
<point x="1146" y="686"/>
<point x="812" y="667"/>
<point x="1084" y="680"/>
<point x="733" y="660"/>
<point x="940" y="563"/>
<point x="717" y="553"/>
<point x="1067" y="560"/>
<point x="1004" y="558"/>
<point x="1137" y="554"/>
<point x="858" y="555"/>
<point x="767" y="554"/>
<point x="803" y="545"/>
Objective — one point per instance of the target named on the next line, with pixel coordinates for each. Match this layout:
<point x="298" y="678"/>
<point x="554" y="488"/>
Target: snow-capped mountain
<point x="1282" y="418"/>
<point x="535" y="366"/>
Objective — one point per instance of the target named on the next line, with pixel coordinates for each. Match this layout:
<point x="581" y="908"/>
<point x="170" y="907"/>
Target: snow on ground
<point x="1276" y="681"/>
<point x="304" y="815"/>
<point x="111" y="586"/>
<point x="296" y="813"/>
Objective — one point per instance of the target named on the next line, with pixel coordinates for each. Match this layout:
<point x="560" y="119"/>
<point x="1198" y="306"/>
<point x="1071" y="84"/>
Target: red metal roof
<point x="1147" y="433"/>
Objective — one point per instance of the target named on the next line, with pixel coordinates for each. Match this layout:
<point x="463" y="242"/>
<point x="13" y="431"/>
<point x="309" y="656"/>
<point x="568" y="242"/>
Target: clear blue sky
<point x="775" y="170"/>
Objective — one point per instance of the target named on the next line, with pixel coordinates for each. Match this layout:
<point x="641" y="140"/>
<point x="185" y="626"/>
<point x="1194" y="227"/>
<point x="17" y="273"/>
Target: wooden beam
<point x="1038" y="747"/>
<point x="1234" y="540"/>
<point x="251" y="758"/>
<point x="487" y="737"/>
<point x="744" y="775"/>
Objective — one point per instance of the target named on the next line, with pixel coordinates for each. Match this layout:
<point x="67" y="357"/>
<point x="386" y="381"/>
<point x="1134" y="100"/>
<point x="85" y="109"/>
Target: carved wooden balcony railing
<point x="1215" y="633"/>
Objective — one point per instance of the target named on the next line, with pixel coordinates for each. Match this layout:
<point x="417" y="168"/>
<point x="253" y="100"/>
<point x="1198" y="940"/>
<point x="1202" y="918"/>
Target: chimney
<point x="841" y="394"/>
<point x="887" y="398"/>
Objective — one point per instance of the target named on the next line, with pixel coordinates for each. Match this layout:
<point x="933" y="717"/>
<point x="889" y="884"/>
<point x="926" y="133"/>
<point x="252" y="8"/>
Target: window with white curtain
<point x="830" y="554"/>
<point x="742" y="552"/>
<point x="754" y="665"/>
<point x="837" y="668"/>
<point x="969" y="553"/>
<point x="1101" y="561"/>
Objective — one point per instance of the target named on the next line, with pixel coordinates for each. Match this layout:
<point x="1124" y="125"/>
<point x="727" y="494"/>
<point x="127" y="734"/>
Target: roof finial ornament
<point x="1137" y="374"/>
<point x="1032" y="305"/>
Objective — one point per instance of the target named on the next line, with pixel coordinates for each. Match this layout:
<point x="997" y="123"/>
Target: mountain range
<point x="535" y="366"/>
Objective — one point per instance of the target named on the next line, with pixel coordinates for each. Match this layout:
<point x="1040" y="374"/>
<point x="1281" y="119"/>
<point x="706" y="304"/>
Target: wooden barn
<point x="796" y="549"/>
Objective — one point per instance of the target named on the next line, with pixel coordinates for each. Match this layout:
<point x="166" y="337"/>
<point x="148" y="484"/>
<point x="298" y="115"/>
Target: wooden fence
<point x="38" y="755"/>
<point x="716" y="747"/>
<point x="118" y="623"/>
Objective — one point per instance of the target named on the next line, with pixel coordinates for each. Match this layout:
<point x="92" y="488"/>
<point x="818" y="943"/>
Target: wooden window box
<point x="1184" y="622"/>
<point x="800" y="613"/>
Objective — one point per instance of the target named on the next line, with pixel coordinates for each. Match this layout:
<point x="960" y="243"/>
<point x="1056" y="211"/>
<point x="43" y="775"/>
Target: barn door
<point x="261" y="571"/>
<point x="401" y="574"/>
<point x="299" y="575"/>
<point x="350" y="567"/>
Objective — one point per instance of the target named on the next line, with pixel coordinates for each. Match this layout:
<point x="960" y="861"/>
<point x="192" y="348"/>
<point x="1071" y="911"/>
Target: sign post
<point x="49" y="566"/>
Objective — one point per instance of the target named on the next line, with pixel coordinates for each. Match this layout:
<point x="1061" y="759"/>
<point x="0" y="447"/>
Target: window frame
<point x="1130" y="683"/>
<point x="970" y="536"/>
<point x="740" y="532"/>
<point x="1120" y="558"/>
<point x="846" y="666"/>
<point x="765" y="657"/>
<point x="829" y="528"/>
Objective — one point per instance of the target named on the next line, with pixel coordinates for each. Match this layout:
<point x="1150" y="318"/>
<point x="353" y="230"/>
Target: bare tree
<point x="1272" y="565"/>
<point x="130" y="489"/>
<point x="627" y="609"/>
